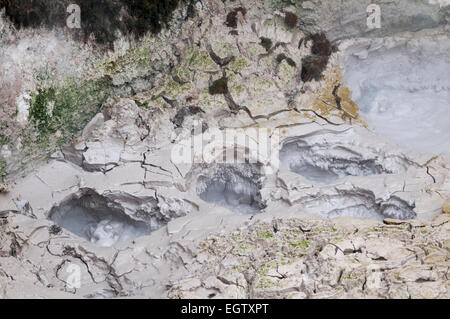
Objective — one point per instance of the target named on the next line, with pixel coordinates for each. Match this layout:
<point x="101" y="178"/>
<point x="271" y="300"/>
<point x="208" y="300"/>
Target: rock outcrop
<point x="348" y="19"/>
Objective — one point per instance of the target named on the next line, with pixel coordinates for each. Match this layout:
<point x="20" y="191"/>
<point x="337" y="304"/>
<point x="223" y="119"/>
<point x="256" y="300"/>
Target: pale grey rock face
<point x="347" y="19"/>
<point x="114" y="204"/>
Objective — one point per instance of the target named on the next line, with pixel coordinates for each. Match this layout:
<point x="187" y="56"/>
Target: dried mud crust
<point x="313" y="258"/>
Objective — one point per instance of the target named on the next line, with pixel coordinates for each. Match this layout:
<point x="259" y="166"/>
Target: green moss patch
<point x="58" y="114"/>
<point x="304" y="244"/>
<point x="265" y="234"/>
<point x="238" y="64"/>
<point x="2" y="170"/>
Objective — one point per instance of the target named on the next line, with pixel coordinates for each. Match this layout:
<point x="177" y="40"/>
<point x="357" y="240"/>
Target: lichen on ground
<point x="313" y="258"/>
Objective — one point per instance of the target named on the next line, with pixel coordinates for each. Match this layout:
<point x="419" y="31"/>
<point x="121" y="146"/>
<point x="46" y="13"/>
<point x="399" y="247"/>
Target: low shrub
<point x="314" y="64"/>
<point x="266" y="43"/>
<point x="312" y="67"/>
<point x="290" y="19"/>
<point x="231" y="20"/>
<point x="102" y="18"/>
<point x="219" y="86"/>
<point x="280" y="57"/>
<point x="2" y="170"/>
<point x="321" y="45"/>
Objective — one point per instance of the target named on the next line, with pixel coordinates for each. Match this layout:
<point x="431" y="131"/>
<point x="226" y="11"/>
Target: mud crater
<point x="326" y="162"/>
<point x="235" y="187"/>
<point x="359" y="204"/>
<point x="107" y="220"/>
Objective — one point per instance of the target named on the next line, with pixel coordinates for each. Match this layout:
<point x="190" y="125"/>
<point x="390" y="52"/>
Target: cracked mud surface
<point x="301" y="258"/>
<point x="346" y="213"/>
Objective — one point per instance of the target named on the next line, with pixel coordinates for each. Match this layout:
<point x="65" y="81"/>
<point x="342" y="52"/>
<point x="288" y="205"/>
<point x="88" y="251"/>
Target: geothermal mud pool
<point x="404" y="93"/>
<point x="98" y="220"/>
<point x="321" y="161"/>
<point x="352" y="201"/>
<point x="234" y="187"/>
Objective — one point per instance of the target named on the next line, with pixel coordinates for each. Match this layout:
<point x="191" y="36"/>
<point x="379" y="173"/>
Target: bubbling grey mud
<point x="404" y="93"/>
<point x="236" y="187"/>
<point x="326" y="157"/>
<point x="98" y="220"/>
<point x="109" y="219"/>
<point x="359" y="204"/>
<point x="319" y="164"/>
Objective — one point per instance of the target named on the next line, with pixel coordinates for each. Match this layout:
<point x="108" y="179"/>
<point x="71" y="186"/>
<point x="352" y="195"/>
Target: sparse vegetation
<point x="231" y="20"/>
<point x="9" y="90"/>
<point x="219" y="86"/>
<point x="265" y="234"/>
<point x="2" y="170"/>
<point x="40" y="108"/>
<point x="66" y="109"/>
<point x="290" y="19"/>
<point x="313" y="67"/>
<point x="102" y="18"/>
<point x="266" y="43"/>
<point x="314" y="64"/>
<point x="445" y="10"/>
<point x="304" y="244"/>
<point x="282" y="57"/>
<point x="3" y="140"/>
